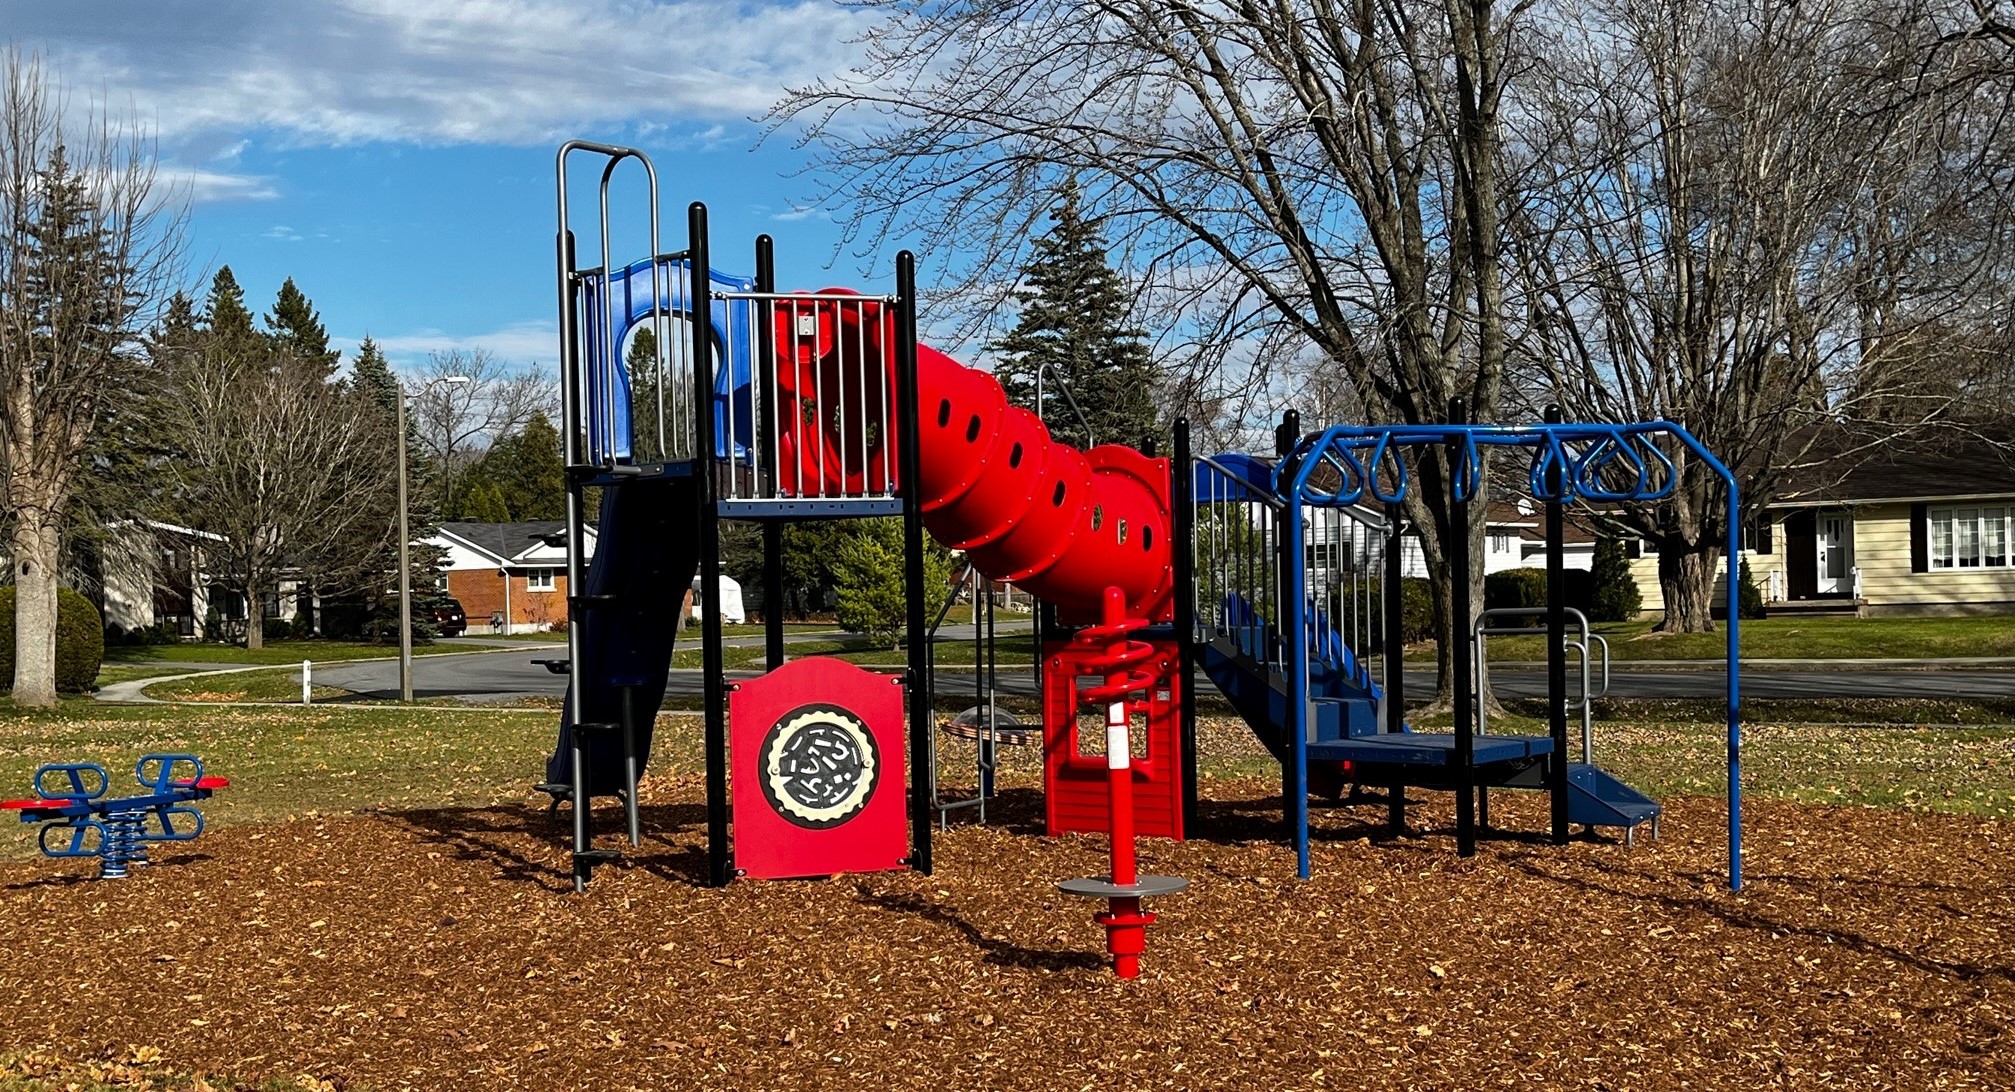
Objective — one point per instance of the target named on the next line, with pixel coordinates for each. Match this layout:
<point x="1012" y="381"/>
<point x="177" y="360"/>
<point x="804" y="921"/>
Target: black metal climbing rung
<point x="592" y="726"/>
<point x="589" y="600"/>
<point x="597" y="856"/>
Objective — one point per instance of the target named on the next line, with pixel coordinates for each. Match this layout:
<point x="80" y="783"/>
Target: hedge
<point x="1527" y="588"/>
<point x="80" y="641"/>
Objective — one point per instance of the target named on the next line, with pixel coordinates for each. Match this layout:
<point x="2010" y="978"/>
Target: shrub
<point x="1527" y="588"/>
<point x="80" y="640"/>
<point x="868" y="576"/>
<point x="1416" y="612"/>
<point x="1749" y="596"/>
<point x="1616" y="598"/>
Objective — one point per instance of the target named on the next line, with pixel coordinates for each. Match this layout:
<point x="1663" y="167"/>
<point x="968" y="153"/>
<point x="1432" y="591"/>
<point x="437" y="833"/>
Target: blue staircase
<point x="1242" y="657"/>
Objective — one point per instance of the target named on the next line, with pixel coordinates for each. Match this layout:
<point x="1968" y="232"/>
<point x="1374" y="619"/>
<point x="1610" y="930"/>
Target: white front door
<point x="1836" y="554"/>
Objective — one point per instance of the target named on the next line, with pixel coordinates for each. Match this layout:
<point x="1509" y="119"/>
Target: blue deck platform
<point x="1427" y="749"/>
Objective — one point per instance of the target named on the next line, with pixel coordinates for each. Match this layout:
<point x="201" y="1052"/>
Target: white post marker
<point x="1118" y="749"/>
<point x="307" y="680"/>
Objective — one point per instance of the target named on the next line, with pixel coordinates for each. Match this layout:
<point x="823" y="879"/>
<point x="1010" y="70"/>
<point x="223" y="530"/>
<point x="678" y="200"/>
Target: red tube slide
<point x="1061" y="523"/>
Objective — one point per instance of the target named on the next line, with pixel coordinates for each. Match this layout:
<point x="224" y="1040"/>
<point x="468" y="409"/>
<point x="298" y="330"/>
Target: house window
<point x="1500" y="542"/>
<point x="539" y="579"/>
<point x="1971" y="538"/>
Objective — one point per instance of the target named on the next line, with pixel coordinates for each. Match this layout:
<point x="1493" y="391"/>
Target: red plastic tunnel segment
<point x="1061" y="523"/>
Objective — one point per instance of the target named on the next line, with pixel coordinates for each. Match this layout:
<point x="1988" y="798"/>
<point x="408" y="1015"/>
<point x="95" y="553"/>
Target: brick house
<point x="509" y="577"/>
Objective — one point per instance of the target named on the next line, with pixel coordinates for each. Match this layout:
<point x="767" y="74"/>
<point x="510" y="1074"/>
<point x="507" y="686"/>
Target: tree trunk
<point x="37" y="549"/>
<point x="255" y="616"/>
<point x="1686" y="578"/>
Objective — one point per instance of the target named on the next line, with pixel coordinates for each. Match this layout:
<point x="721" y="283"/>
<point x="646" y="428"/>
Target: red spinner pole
<point x="1124" y="921"/>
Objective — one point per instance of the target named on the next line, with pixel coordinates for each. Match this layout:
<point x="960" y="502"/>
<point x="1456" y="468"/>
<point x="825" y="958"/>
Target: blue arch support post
<point x="1598" y="463"/>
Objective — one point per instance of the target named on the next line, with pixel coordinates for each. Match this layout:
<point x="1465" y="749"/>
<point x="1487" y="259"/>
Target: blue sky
<point x="396" y="156"/>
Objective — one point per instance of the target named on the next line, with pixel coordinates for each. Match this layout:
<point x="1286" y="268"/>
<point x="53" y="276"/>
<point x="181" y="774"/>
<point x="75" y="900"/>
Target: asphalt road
<point x="510" y="674"/>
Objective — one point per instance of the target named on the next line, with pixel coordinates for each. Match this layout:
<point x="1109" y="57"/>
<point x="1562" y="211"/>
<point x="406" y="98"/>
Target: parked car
<point x="449" y="621"/>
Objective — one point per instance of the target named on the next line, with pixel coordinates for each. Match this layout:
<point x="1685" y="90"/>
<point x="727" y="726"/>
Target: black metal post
<point x="705" y="470"/>
<point x="1556" y="639"/>
<point x="1394" y="610"/>
<point x="575" y="417"/>
<point x="1182" y="548"/>
<point x="773" y="530"/>
<point x="1458" y="638"/>
<point x="908" y="436"/>
<point x="1285" y="436"/>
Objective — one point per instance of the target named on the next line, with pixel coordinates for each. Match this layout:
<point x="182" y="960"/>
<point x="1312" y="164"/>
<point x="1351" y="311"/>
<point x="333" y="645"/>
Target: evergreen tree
<point x="372" y="381"/>
<point x="482" y="503"/>
<point x="297" y="328"/>
<point x="224" y="313"/>
<point x="1074" y="312"/>
<point x="526" y="471"/>
<point x="647" y="386"/>
<point x="1616" y="597"/>
<point x="868" y="579"/>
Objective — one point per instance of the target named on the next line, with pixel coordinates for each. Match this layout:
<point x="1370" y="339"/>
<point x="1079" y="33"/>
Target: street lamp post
<point x="405" y="549"/>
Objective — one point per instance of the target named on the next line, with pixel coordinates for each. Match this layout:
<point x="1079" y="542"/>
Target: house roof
<point x="508" y="542"/>
<point x="1972" y="462"/>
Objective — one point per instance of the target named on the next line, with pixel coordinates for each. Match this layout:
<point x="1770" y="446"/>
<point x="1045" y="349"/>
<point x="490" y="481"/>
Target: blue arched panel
<point x="631" y="298"/>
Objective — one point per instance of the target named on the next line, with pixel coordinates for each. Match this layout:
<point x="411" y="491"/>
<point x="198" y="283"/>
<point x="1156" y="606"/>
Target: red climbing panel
<point x="1074" y="773"/>
<point x="817" y="750"/>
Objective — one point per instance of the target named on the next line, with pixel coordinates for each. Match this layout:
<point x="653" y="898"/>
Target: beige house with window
<point x="1928" y="529"/>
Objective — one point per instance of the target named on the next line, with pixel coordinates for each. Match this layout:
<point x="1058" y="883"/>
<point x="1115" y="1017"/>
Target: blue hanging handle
<point x="75" y="783"/>
<point x="1469" y="469"/>
<point x="167" y="831"/>
<point x="78" y="832"/>
<point x="1667" y="474"/>
<point x="157" y="772"/>
<point x="1600" y="456"/>
<point x="1350" y="474"/>
<point x="1380" y="453"/>
<point x="1549" y="456"/>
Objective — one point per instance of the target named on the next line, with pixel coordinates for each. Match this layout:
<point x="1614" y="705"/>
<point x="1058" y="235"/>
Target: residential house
<point x="1923" y="528"/>
<point x="509" y="577"/>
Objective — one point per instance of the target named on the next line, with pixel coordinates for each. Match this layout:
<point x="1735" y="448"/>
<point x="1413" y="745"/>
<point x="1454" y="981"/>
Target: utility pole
<point x="405" y="550"/>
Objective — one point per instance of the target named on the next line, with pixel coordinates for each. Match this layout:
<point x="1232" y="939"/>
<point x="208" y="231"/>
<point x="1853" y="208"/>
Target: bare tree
<point x="291" y="471"/>
<point x="1736" y="232"/>
<point x="456" y="421"/>
<point x="87" y="248"/>
<point x="1315" y="173"/>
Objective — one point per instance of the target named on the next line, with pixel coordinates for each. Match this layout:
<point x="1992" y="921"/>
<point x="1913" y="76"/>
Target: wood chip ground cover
<point x="437" y="949"/>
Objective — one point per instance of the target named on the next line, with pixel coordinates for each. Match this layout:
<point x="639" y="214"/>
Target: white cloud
<point x="447" y="71"/>
<point x="281" y="233"/>
<point x="527" y="342"/>
<point x="800" y="212"/>
<point x="201" y="186"/>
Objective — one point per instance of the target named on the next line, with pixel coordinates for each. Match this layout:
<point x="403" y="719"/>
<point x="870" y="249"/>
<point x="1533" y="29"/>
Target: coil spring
<point x="1114" y="653"/>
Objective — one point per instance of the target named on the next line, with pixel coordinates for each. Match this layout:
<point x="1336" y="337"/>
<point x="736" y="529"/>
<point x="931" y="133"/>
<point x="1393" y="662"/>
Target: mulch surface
<point x="1872" y="949"/>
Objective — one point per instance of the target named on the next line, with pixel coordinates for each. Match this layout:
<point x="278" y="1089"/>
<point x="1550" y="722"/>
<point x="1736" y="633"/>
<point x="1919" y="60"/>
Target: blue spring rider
<point x="80" y="822"/>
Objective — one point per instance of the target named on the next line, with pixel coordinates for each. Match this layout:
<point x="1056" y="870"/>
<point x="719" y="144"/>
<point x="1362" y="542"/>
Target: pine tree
<point x="372" y="380"/>
<point x="482" y="503"/>
<point x="224" y="313"/>
<point x="294" y="325"/>
<point x="1616" y="596"/>
<point x="526" y="471"/>
<point x="1074" y="311"/>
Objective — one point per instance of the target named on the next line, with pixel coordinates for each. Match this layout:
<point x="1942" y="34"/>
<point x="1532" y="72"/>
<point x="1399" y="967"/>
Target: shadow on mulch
<point x="90" y="874"/>
<point x="496" y="836"/>
<point x="997" y="951"/>
<point x="1740" y="916"/>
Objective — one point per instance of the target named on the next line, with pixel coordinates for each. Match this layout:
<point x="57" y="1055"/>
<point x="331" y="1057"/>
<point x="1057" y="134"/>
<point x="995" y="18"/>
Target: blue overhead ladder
<point x="1314" y="704"/>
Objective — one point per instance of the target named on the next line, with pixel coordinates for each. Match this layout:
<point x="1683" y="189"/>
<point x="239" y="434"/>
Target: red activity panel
<point x="817" y="757"/>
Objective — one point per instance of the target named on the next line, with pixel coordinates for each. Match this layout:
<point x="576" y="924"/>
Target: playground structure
<point x="71" y="805"/>
<point x="1265" y="577"/>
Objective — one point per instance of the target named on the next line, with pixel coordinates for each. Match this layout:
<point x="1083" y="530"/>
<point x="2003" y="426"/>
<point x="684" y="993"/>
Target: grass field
<point x="288" y="762"/>
<point x="1788" y="639"/>
<point x="274" y="652"/>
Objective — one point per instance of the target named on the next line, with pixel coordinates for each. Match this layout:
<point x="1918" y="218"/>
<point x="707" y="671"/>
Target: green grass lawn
<point x="274" y="652"/>
<point x="1787" y="639"/>
<point x="290" y="762"/>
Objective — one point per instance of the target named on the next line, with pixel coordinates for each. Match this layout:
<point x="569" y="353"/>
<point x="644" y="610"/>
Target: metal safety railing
<point x="814" y="418"/>
<point x="1585" y="648"/>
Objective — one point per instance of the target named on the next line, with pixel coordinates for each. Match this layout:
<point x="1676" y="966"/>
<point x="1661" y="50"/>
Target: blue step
<point x="1598" y="798"/>
<point x="1429" y="749"/>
